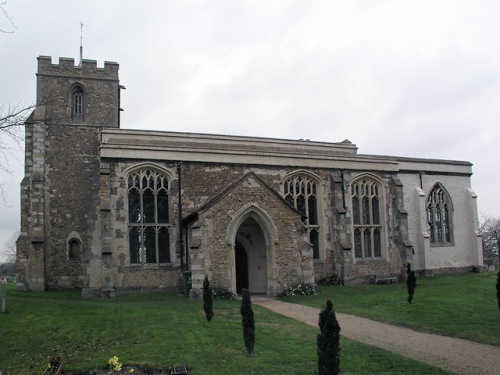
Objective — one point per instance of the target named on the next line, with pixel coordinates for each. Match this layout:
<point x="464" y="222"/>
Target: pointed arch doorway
<point x="251" y="257"/>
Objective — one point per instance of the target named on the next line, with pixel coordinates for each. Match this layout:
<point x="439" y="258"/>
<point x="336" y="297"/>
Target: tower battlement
<point x="67" y="67"/>
<point x="78" y="94"/>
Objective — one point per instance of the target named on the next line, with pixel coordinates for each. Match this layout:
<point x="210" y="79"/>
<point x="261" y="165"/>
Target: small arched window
<point x="74" y="249"/>
<point x="439" y="212"/>
<point x="78" y="103"/>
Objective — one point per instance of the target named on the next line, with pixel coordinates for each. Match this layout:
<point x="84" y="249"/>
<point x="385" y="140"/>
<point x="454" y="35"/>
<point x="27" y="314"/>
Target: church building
<point x="111" y="210"/>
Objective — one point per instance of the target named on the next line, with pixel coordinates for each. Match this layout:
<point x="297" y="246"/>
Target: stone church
<point x="111" y="210"/>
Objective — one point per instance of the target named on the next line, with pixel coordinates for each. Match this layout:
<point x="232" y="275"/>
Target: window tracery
<point x="301" y="192"/>
<point x="439" y="210"/>
<point x="366" y="218"/>
<point x="148" y="210"/>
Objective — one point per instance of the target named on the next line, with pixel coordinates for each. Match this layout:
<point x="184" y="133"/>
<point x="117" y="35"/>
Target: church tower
<point x="60" y="190"/>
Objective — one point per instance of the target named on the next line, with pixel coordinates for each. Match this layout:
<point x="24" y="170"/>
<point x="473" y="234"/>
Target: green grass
<point x="461" y="305"/>
<point x="161" y="330"/>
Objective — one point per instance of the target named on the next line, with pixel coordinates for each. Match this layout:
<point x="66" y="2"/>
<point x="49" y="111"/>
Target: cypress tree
<point x="411" y="282"/>
<point x="207" y="299"/>
<point x="247" y="321"/>
<point x="498" y="289"/>
<point x="328" y="342"/>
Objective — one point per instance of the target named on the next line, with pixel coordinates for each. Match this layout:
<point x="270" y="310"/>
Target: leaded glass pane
<point x="134" y="206"/>
<point x="366" y="210"/>
<point x="313" y="215"/>
<point x="356" y="211"/>
<point x="134" y="245"/>
<point x="150" y="244"/>
<point x="148" y="202"/>
<point x="446" y="223"/>
<point x="377" y="242"/>
<point x="162" y="206"/>
<point x="164" y="245"/>
<point x="367" y="242"/>
<point x="301" y="204"/>
<point x="375" y="211"/>
<point x="358" y="248"/>
<point x="314" y="240"/>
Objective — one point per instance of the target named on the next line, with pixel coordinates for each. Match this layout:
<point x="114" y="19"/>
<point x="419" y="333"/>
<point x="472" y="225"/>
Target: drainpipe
<point x="179" y="186"/>
<point x="343" y="188"/>
<point x="420" y="176"/>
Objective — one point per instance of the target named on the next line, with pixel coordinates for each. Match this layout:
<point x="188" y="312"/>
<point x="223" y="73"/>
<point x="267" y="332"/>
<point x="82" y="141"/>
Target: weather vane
<point x="81" y="42"/>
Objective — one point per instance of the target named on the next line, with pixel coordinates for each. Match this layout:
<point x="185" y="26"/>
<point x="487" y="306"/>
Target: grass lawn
<point x="461" y="305"/>
<point x="162" y="330"/>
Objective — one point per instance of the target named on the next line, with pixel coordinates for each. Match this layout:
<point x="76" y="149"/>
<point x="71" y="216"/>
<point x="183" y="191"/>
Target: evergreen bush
<point x="328" y="342"/>
<point x="498" y="289"/>
<point x="411" y="282"/>
<point x="247" y="321"/>
<point x="207" y="299"/>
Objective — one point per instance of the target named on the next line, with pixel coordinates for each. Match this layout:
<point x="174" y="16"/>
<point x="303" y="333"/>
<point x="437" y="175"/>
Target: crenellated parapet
<point x="67" y="68"/>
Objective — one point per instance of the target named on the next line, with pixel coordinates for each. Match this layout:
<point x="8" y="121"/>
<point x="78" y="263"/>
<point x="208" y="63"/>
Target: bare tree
<point x="490" y="232"/>
<point x="12" y="121"/>
<point x="9" y="248"/>
<point x="9" y="19"/>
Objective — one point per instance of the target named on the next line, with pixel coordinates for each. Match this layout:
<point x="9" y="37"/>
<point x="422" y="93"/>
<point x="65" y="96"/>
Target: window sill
<point x="369" y="260"/>
<point x="152" y="266"/>
<point x="442" y="244"/>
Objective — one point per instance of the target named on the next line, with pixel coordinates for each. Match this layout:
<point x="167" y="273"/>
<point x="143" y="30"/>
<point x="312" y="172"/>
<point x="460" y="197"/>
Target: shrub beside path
<point x="456" y="355"/>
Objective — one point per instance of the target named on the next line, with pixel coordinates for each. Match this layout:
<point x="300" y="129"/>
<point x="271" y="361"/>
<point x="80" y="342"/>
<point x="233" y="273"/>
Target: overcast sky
<point x="405" y="78"/>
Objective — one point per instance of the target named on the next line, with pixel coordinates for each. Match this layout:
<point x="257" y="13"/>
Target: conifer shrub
<point x="411" y="282"/>
<point x="247" y="321"/>
<point x="328" y="342"/>
<point x="207" y="299"/>
<point x="498" y="290"/>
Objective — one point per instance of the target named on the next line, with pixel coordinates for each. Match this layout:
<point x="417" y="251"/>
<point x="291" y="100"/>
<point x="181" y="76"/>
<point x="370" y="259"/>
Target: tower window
<point x="78" y="103"/>
<point x="74" y="249"/>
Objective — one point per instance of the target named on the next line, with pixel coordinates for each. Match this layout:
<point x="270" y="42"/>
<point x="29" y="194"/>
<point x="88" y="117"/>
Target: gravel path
<point x="456" y="355"/>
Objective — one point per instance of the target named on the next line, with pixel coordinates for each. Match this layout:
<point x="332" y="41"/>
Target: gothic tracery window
<point x="439" y="211"/>
<point x="148" y="210"/>
<point x="366" y="217"/>
<point x="77" y="103"/>
<point x="301" y="192"/>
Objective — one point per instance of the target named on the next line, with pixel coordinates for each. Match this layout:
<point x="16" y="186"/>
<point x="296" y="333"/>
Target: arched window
<point x="148" y="210"/>
<point x="301" y="192"/>
<point x="439" y="211"/>
<point x="77" y="103"/>
<point x="74" y="249"/>
<point x="366" y="218"/>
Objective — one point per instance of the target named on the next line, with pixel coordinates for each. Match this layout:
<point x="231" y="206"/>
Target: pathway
<point x="456" y="355"/>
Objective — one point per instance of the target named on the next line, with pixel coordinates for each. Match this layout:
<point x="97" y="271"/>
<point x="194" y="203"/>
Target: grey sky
<point x="405" y="78"/>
